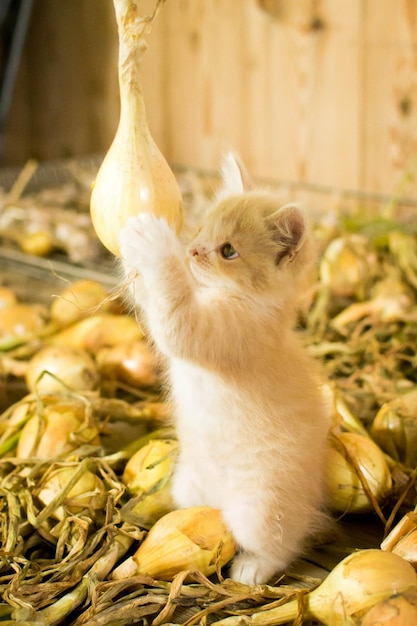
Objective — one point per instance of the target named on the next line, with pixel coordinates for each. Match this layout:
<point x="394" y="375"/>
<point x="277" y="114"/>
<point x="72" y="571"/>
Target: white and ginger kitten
<point x="249" y="414"/>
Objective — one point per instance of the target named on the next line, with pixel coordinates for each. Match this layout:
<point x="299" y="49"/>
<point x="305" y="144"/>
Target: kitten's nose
<point x="197" y="250"/>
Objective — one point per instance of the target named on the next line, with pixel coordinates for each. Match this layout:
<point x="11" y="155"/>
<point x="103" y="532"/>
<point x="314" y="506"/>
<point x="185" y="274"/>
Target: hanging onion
<point x="134" y="176"/>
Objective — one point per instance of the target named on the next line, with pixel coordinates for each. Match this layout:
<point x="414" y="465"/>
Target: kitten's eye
<point x="228" y="252"/>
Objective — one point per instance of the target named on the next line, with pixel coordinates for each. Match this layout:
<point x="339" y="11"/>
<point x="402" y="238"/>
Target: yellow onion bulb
<point x="400" y="609"/>
<point x="187" y="539"/>
<point x="402" y="539"/>
<point x="150" y="465"/>
<point x="132" y="362"/>
<point x="58" y="428"/>
<point x="134" y="176"/>
<point x="99" y="331"/>
<point x="88" y="492"/>
<point x="79" y="300"/>
<point x="7" y="297"/>
<point x="20" y="323"/>
<point x="345" y="266"/>
<point x="346" y="493"/>
<point x="395" y="428"/>
<point x="55" y="367"/>
<point x="147" y="476"/>
<point x="356" y="584"/>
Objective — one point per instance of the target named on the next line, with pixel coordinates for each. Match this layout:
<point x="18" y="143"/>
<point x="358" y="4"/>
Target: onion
<point x="147" y="474"/>
<point x="133" y="363"/>
<point x="345" y="266"/>
<point x="57" y="428"/>
<point x="397" y="610"/>
<point x="391" y="301"/>
<point x="7" y="297"/>
<point x="402" y="539"/>
<point x="54" y="367"/>
<point x="343" y="418"/>
<point x="187" y="539"/>
<point x="77" y="301"/>
<point x="99" y="331"/>
<point x="357" y="583"/>
<point x="87" y="492"/>
<point x="347" y="493"/>
<point x="37" y="243"/>
<point x="134" y="176"/>
<point x="149" y="465"/>
<point x="20" y="323"/>
<point x="395" y="428"/>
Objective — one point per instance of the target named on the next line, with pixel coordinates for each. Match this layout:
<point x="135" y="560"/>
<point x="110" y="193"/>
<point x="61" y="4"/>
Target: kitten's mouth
<point x="198" y="268"/>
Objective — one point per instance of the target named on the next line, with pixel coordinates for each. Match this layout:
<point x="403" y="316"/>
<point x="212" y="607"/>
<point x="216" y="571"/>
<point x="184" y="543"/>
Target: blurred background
<point x="318" y="93"/>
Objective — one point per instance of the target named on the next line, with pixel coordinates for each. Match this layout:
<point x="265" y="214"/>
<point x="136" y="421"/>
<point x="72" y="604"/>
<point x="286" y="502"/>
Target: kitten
<point x="250" y="417"/>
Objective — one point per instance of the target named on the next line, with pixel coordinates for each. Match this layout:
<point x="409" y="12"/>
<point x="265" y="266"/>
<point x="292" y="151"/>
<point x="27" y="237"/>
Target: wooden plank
<point x="269" y="89"/>
<point x="69" y="68"/>
<point x="323" y="93"/>
<point x="390" y="97"/>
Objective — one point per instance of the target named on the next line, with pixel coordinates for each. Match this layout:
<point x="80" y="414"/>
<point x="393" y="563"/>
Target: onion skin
<point x="147" y="474"/>
<point x="345" y="490"/>
<point x="60" y="428"/>
<point x="133" y="363"/>
<point x="345" y="266"/>
<point x="81" y="299"/>
<point x="149" y="465"/>
<point x="397" y="610"/>
<point x="20" y="323"/>
<point x="402" y="539"/>
<point x="356" y="584"/>
<point x="99" y="331"/>
<point x="37" y="243"/>
<point x="88" y="492"/>
<point x="395" y="428"/>
<point x="69" y="367"/>
<point x="134" y="176"/>
<point x="7" y="297"/>
<point x="187" y="539"/>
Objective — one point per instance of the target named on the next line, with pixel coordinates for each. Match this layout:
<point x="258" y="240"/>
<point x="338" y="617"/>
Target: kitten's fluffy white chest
<point x="201" y="398"/>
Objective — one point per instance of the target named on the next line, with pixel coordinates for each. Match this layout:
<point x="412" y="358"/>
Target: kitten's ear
<point x="289" y="230"/>
<point x="234" y="175"/>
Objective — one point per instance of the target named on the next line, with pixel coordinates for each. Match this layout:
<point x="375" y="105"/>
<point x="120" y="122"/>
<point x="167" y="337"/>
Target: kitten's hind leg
<point x="186" y="490"/>
<point x="260" y="538"/>
<point x="251" y="569"/>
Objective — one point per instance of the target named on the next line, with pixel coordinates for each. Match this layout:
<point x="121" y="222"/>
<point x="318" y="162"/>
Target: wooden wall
<point x="318" y="91"/>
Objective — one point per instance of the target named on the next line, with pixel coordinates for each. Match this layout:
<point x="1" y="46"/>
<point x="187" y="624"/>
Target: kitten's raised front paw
<point x="251" y="570"/>
<point x="144" y="239"/>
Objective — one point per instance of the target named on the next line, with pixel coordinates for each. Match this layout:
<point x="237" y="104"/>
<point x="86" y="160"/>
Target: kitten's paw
<point x="145" y="239"/>
<point x="251" y="570"/>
